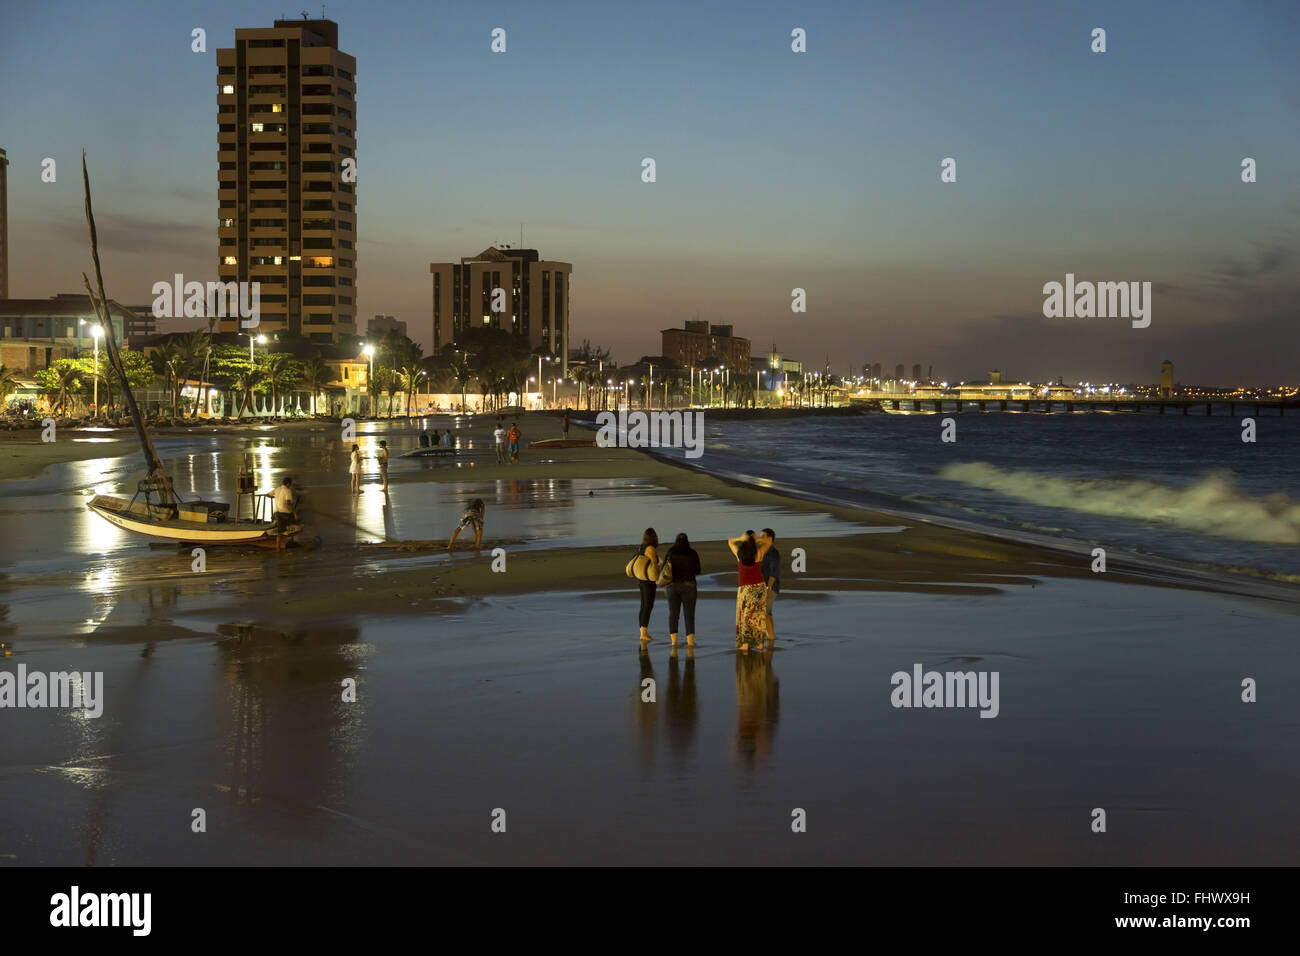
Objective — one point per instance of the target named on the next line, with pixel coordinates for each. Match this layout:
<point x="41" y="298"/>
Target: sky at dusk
<point x="775" y="170"/>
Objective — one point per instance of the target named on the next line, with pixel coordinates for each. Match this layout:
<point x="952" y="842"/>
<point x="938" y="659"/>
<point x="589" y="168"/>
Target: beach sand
<point x="522" y="690"/>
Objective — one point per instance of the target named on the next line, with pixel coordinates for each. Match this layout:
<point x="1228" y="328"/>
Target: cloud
<point x="1267" y="258"/>
<point x="123" y="233"/>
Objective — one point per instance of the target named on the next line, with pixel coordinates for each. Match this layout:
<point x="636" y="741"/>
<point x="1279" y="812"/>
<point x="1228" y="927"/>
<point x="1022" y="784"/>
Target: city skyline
<point x="1122" y="166"/>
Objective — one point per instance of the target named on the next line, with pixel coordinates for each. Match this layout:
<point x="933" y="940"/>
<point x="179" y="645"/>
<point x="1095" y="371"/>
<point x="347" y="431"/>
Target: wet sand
<point x="522" y="690"/>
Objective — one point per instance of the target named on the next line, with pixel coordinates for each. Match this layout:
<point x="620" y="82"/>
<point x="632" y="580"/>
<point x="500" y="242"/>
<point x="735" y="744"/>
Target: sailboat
<point x="156" y="511"/>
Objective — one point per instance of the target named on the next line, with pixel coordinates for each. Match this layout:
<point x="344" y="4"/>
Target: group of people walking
<point x="758" y="565"/>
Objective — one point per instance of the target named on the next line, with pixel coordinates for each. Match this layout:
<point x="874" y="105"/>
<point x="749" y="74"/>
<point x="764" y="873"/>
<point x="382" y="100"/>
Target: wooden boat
<point x="156" y="511"/>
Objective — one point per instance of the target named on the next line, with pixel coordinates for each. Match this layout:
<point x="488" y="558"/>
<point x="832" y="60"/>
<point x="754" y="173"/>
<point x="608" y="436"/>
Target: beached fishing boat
<point x="155" y="510"/>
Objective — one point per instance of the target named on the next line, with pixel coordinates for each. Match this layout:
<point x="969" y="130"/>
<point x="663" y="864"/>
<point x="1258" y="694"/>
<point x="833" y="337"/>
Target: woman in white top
<point x="354" y="469"/>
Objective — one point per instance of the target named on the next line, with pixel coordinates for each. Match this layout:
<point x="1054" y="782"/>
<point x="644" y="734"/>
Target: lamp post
<point x="95" y="332"/>
<point x="369" y="352"/>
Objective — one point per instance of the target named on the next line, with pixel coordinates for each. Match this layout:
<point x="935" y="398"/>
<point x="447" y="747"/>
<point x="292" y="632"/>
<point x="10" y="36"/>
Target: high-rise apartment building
<point x="4" y="225"/>
<point x="286" y="104"/>
<point x="535" y="296"/>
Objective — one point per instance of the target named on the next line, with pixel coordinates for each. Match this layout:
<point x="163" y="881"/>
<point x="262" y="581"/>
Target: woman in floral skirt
<point x="751" y="592"/>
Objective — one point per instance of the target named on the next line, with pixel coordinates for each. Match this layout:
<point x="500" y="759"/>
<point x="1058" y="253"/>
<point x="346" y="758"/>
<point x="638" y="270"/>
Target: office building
<point x="286" y="104"/>
<point x="690" y="346"/>
<point x="535" y="298"/>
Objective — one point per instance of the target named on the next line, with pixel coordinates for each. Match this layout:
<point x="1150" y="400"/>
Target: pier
<point x="1079" y="403"/>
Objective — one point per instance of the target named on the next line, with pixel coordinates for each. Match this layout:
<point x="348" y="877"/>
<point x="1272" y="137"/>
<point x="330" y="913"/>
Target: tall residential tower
<point x="4" y="225"/>
<point x="286" y="104"/>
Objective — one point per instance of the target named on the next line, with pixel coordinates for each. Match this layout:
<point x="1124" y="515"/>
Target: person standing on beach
<point x="424" y="438"/>
<point x="681" y="592"/>
<point x="285" y="512"/>
<point x="751" y="601"/>
<point x="473" y="516"/>
<point x="354" y="469"/>
<point x="566" y="424"/>
<point x="771" y="566"/>
<point x="645" y="569"/>
<point x="383" y="463"/>
<point x="499" y="434"/>
<point x="513" y="438"/>
<point x="445" y="440"/>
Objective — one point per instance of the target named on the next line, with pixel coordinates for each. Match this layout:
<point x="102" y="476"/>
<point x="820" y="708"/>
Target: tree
<point x="274" y="373"/>
<point x="462" y="374"/>
<point x="61" y="380"/>
<point x="315" y="373"/>
<point x="392" y="385"/>
<point x="195" y="348"/>
<point x="411" y="377"/>
<point x="165" y="363"/>
<point x="8" y="383"/>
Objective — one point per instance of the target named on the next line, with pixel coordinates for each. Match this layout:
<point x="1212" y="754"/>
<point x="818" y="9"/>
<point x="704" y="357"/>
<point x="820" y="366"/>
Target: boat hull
<point x="263" y="533"/>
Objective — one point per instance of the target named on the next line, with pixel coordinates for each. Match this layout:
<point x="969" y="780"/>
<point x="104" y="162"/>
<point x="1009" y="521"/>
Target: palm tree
<point x="411" y="376"/>
<point x="67" y="382"/>
<point x="165" y="363"/>
<point x="315" y="373"/>
<point x="273" y="376"/>
<point x="8" y="383"/>
<point x="462" y="375"/>
<point x="194" y="350"/>
<point x="393" y="385"/>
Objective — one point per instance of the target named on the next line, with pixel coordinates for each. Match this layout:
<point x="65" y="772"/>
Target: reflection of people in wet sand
<point x="645" y="714"/>
<point x="757" y="707"/>
<point x="683" y="703"/>
<point x="751" y="592"/>
<point x="473" y="517"/>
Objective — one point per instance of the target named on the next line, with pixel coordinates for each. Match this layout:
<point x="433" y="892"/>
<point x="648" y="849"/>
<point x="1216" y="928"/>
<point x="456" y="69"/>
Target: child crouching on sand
<point x="473" y="516"/>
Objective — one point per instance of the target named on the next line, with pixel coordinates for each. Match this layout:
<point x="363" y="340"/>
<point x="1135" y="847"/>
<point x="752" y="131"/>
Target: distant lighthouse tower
<point x="1166" y="379"/>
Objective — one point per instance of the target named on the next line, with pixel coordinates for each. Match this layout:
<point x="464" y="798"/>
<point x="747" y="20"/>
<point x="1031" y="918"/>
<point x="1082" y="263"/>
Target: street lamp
<point x="95" y="332"/>
<point x="369" y="352"/>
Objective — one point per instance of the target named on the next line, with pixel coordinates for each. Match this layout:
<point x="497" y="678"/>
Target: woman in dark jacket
<point x="681" y="593"/>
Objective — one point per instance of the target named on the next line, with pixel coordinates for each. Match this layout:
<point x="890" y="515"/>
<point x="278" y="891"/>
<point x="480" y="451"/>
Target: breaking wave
<point x="1212" y="505"/>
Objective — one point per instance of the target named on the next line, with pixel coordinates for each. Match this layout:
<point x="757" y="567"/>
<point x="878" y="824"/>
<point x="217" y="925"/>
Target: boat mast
<point x="157" y="477"/>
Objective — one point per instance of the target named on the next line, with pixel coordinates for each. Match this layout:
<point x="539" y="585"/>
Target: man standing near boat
<point x="285" y="513"/>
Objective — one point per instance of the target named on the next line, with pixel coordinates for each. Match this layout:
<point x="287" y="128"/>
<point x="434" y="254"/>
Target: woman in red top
<point x="751" y="592"/>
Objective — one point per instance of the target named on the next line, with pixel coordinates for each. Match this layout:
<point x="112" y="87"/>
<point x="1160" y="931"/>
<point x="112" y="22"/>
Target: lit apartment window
<point x="228" y="88"/>
<point x="258" y="127"/>
<point x="277" y="107"/>
<point x="322" y="262"/>
<point x="227" y="222"/>
<point x="230" y="260"/>
<point x="279" y="260"/>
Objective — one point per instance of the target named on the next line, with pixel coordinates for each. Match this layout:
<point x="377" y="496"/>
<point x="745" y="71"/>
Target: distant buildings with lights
<point x="534" y="298"/>
<point x="690" y="346"/>
<point x="34" y="333"/>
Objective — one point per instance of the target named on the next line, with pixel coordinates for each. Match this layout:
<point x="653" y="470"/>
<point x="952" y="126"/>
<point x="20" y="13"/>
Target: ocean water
<point x="1181" y="488"/>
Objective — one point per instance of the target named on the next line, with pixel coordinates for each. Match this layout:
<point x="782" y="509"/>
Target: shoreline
<point x="865" y="550"/>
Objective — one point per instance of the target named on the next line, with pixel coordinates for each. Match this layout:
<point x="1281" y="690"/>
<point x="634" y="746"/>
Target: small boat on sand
<point x="155" y="510"/>
<point x="436" y="452"/>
